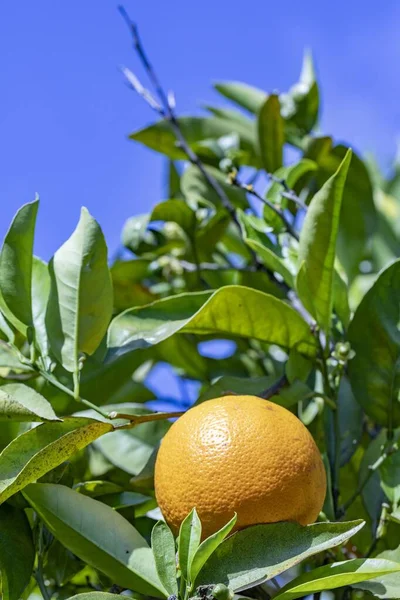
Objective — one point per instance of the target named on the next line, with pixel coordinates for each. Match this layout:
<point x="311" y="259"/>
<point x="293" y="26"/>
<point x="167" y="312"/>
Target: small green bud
<point x="221" y="592"/>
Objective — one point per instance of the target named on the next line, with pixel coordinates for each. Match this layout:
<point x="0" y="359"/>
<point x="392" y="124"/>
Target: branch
<point x="165" y="106"/>
<point x="250" y="190"/>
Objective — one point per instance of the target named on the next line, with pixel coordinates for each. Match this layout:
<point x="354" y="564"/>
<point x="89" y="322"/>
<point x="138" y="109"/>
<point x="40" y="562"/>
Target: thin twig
<point x="251" y="190"/>
<point x="165" y="108"/>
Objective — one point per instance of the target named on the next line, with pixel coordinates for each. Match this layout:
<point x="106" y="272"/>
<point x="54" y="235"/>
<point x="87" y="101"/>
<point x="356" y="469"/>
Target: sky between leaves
<point x="65" y="111"/>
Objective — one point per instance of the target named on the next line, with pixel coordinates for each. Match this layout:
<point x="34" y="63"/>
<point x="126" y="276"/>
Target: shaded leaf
<point x="176" y="211"/>
<point x="163" y="546"/>
<point x="271" y="135"/>
<point x="336" y="575"/>
<point x="350" y="421"/>
<point x="17" y="553"/>
<point x="18" y="402"/>
<point x="80" y="303"/>
<point x="261" y="552"/>
<point x="16" y="264"/>
<point x="39" y="450"/>
<point x="317" y="247"/>
<point x="232" y="310"/>
<point x="374" y="372"/>
<point x="98" y="535"/>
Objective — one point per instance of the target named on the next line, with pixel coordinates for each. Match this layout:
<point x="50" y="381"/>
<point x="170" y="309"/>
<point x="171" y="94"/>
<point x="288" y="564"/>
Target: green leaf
<point x="318" y="247"/>
<point x="80" y="303"/>
<point x="39" y="450"/>
<point x="258" y="553"/>
<point x="135" y="232"/>
<point x="291" y="175"/>
<point x="188" y="543"/>
<point x="40" y="296"/>
<point x="374" y="372"/>
<point x="98" y="535"/>
<point x="358" y="219"/>
<point x="96" y="596"/>
<point x="208" y="547"/>
<point x="130" y="449"/>
<point x="174" y="180"/>
<point x="350" y="421"/>
<point x="196" y="189"/>
<point x="17" y="553"/>
<point x="372" y="494"/>
<point x="390" y="478"/>
<point x="259" y="244"/>
<point x="230" y="115"/>
<point x="271" y="134"/>
<point x="384" y="586"/>
<point x="16" y="264"/>
<point x="232" y="310"/>
<point x="160" y="137"/>
<point x="336" y="575"/>
<point x="244" y="95"/>
<point x="163" y="546"/>
<point x="18" y="402"/>
<point x="175" y="211"/>
<point x="341" y="298"/>
<point x="301" y="104"/>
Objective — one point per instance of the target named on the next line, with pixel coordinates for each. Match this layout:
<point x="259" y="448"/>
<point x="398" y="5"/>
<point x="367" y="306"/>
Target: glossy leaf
<point x="244" y="95"/>
<point x="384" y="586"/>
<point x="18" y="402"/>
<point x="374" y="336"/>
<point x="43" y="448"/>
<point x="258" y="553"/>
<point x="251" y="314"/>
<point x="358" y="219"/>
<point x="271" y="135"/>
<point x="80" y="303"/>
<point x="98" y="535"/>
<point x="96" y="596"/>
<point x="17" y="552"/>
<point x="163" y="546"/>
<point x="40" y="296"/>
<point x="263" y="247"/>
<point x="317" y="247"/>
<point x="208" y="547"/>
<point x="16" y="264"/>
<point x="188" y="543"/>
<point x="336" y="575"/>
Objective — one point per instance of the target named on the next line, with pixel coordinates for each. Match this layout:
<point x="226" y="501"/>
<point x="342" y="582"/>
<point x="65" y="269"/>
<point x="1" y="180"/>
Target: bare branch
<point x="167" y="111"/>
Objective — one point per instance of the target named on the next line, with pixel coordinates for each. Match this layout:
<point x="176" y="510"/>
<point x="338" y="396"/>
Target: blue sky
<point x="65" y="112"/>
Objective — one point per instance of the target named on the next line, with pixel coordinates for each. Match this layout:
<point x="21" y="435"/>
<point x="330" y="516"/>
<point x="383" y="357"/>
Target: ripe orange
<point x="239" y="454"/>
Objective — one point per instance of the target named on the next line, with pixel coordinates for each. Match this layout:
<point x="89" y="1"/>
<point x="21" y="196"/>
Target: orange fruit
<point x="239" y="454"/>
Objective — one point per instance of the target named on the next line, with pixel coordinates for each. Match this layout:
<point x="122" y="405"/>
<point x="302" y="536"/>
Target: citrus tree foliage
<point x="270" y="234"/>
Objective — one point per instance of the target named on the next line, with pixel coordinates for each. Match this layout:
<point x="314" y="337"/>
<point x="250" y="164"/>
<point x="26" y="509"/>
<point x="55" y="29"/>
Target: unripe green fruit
<point x="221" y="592"/>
